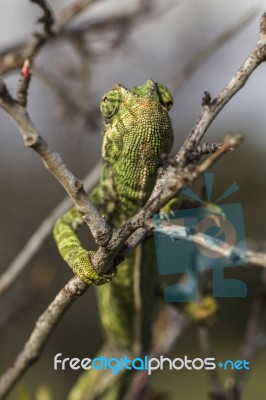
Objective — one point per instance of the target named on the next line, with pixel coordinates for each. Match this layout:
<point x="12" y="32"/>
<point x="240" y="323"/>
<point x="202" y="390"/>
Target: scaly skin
<point x="137" y="131"/>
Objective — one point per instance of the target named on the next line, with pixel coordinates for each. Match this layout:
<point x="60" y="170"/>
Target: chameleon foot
<point x="83" y="268"/>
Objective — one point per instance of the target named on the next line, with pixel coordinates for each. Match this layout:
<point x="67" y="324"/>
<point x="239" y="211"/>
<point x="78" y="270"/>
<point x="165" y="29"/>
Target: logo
<point x="145" y="363"/>
<point x="220" y="244"/>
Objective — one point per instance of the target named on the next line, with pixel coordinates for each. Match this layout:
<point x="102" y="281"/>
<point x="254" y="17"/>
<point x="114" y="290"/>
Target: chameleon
<point x="137" y="132"/>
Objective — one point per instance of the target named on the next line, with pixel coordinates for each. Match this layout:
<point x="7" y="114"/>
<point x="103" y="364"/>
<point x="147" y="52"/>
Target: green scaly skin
<point x="137" y="131"/>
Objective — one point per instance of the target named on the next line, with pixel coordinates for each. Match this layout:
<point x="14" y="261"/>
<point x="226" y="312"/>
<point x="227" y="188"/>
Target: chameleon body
<point x="137" y="131"/>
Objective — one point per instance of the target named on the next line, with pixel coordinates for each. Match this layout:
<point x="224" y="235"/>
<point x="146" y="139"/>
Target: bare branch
<point x="217" y="392"/>
<point x="218" y="247"/>
<point x="45" y="326"/>
<point x="69" y="12"/>
<point x="204" y="149"/>
<point x="48" y="18"/>
<point x="211" y="109"/>
<point x="36" y="241"/>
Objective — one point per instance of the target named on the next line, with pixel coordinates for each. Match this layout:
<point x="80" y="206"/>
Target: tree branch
<point x="44" y="327"/>
<point x="218" y="247"/>
<point x="48" y="18"/>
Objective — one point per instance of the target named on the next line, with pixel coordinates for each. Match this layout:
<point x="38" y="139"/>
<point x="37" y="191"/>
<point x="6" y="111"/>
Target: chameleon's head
<point x="137" y="131"/>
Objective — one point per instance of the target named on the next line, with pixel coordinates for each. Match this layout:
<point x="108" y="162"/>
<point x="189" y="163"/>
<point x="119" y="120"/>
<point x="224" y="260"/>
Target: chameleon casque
<point x="137" y="131"/>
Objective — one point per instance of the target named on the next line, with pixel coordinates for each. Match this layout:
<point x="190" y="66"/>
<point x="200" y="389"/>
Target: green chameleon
<point x="137" y="131"/>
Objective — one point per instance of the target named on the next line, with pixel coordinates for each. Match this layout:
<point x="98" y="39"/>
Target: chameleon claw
<point x="103" y="279"/>
<point x="171" y="206"/>
<point x="106" y="278"/>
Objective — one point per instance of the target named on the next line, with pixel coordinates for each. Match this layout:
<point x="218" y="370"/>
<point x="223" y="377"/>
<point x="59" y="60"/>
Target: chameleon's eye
<point x="110" y="103"/>
<point x="165" y="96"/>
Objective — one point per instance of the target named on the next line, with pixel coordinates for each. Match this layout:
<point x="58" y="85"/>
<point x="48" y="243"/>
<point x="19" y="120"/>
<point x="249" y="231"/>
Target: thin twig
<point x="45" y="326"/>
<point x="216" y="246"/>
<point x="249" y="348"/>
<point x="204" y="149"/>
<point x="48" y="18"/>
<point x="216" y="392"/>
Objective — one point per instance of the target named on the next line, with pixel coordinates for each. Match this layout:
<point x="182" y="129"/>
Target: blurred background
<point x="124" y="42"/>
